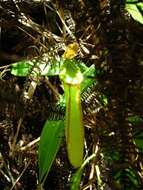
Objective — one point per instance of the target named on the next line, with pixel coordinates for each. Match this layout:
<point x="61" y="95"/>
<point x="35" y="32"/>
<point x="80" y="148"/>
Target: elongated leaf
<point x="50" y="141"/>
<point x="135" y="13"/>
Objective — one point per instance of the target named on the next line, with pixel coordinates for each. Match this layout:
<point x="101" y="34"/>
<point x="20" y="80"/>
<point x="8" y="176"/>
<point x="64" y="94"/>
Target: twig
<point x="15" y="137"/>
<point x="7" y="178"/>
<point x="30" y="144"/>
<point x="20" y="175"/>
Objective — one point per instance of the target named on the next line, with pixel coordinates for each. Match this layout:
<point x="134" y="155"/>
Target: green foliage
<point x="138" y="134"/>
<point x="50" y="141"/>
<point x="74" y="75"/>
<point x="135" y="120"/>
<point x="126" y="178"/>
<point x="23" y="68"/>
<point x="88" y="78"/>
<point x="138" y="138"/>
<point x="118" y="164"/>
<point x="134" y="9"/>
<point x="76" y="178"/>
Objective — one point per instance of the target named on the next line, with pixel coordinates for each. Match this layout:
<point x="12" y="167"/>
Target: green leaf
<point x="76" y="180"/>
<point x="49" y="145"/>
<point x="51" y="69"/>
<point x="21" y="68"/>
<point x="140" y="5"/>
<point x="135" y="120"/>
<point x="131" y="1"/>
<point x="89" y="78"/>
<point x="134" y="11"/>
<point x="131" y="174"/>
<point x="139" y="143"/>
